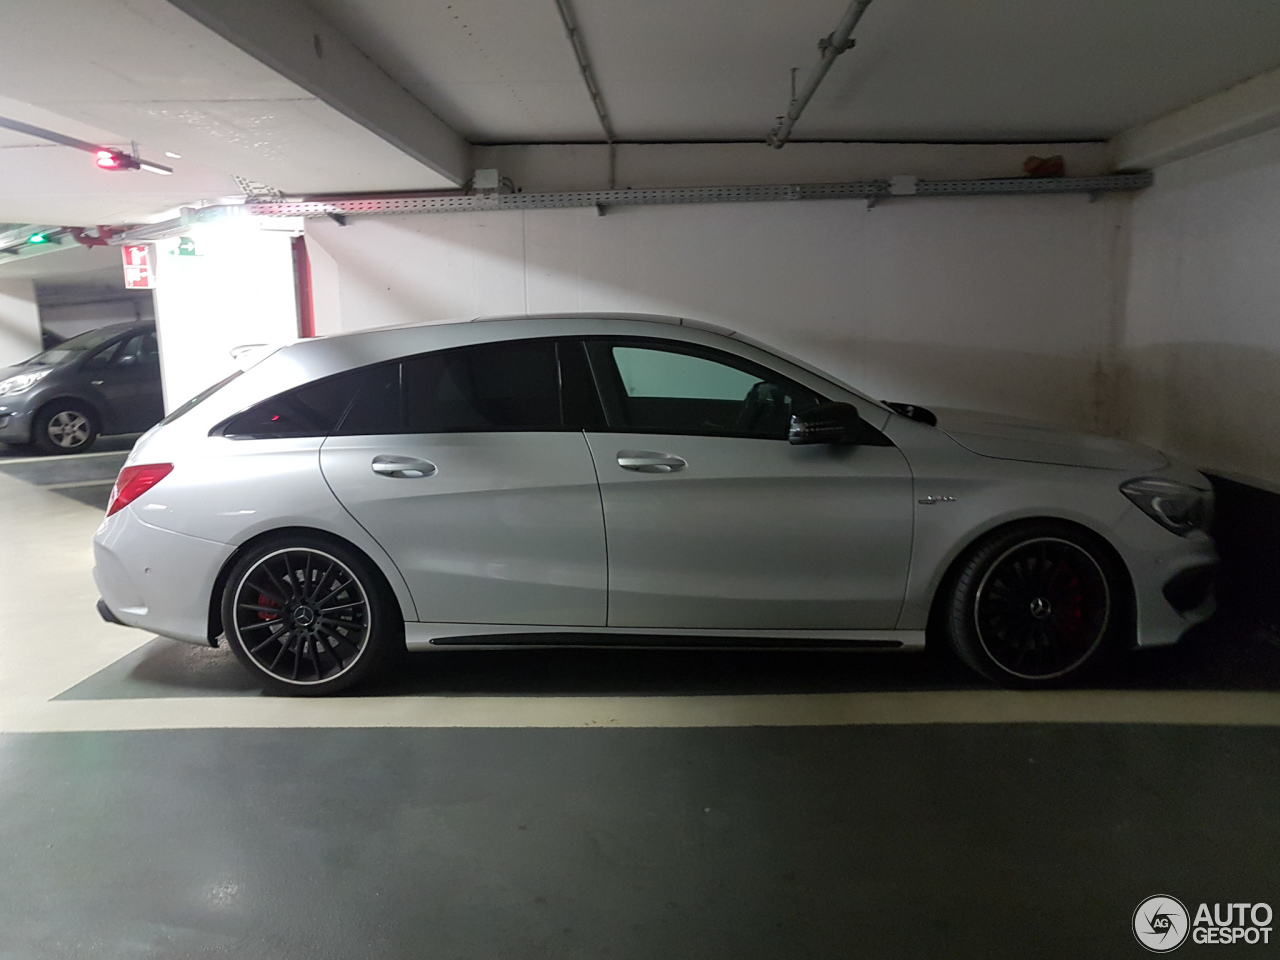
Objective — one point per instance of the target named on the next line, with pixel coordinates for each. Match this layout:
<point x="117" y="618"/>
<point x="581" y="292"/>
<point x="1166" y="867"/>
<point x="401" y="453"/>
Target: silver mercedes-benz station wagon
<point x="631" y="480"/>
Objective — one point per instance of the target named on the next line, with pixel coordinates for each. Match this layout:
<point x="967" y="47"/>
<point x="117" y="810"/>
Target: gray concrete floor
<point x="949" y="841"/>
<point x="153" y="804"/>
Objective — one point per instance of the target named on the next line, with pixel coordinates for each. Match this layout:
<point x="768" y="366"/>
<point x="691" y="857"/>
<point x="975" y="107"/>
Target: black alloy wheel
<point x="307" y="617"/>
<point x="65" y="426"/>
<point x="1037" y="606"/>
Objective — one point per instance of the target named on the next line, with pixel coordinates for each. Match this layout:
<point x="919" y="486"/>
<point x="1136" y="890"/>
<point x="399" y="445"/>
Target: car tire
<point x="1040" y="604"/>
<point x="65" y="426"/>
<point x="338" y="622"/>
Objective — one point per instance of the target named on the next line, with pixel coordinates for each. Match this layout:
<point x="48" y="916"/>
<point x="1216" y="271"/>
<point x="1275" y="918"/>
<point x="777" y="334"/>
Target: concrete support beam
<point x="1246" y="109"/>
<point x="290" y="37"/>
<point x="19" y="321"/>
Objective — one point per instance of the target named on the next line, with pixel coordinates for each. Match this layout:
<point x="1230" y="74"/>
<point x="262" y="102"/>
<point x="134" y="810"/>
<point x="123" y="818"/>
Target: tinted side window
<point x="103" y="357"/>
<point x="136" y="352"/>
<point x="667" y="389"/>
<point x="377" y="408"/>
<point x="496" y="386"/>
<point x="312" y="410"/>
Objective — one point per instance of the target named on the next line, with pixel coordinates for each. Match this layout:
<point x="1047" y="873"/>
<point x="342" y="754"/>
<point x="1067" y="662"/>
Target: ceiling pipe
<point x="830" y="47"/>
<point x="589" y="78"/>
<point x="106" y="157"/>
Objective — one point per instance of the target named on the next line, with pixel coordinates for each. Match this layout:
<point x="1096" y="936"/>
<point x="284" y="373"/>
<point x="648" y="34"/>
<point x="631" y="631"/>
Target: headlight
<point x="1176" y="506"/>
<point x="23" y="381"/>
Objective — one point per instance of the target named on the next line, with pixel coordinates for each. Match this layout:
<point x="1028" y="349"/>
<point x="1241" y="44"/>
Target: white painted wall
<point x="1201" y="347"/>
<point x="19" y="321"/>
<point x="326" y="300"/>
<point x="1006" y="304"/>
<point x="238" y="290"/>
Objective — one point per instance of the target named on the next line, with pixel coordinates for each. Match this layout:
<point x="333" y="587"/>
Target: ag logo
<point x="1161" y="923"/>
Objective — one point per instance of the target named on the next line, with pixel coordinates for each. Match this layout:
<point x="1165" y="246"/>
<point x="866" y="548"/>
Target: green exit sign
<point x="186" y="247"/>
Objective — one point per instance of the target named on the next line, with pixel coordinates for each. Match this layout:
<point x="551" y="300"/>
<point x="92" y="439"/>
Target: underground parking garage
<point x="579" y="478"/>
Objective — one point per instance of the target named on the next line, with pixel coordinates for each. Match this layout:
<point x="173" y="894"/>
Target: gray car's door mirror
<point x="825" y="423"/>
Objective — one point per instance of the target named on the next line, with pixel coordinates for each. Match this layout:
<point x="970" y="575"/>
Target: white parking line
<point x="72" y="484"/>
<point x="59" y="458"/>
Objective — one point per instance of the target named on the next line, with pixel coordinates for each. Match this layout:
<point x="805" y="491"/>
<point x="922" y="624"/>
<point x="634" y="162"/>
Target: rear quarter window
<point x="312" y="410"/>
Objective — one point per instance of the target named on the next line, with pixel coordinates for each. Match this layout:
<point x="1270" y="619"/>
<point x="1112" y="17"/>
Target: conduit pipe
<point x="830" y="47"/>
<point x="593" y="88"/>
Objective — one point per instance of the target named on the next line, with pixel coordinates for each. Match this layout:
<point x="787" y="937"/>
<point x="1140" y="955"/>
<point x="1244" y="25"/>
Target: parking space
<point x="646" y="481"/>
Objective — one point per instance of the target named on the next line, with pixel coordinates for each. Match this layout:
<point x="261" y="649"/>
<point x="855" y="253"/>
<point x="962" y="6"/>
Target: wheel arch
<point x="950" y="570"/>
<point x="215" y="628"/>
<point x="53" y="398"/>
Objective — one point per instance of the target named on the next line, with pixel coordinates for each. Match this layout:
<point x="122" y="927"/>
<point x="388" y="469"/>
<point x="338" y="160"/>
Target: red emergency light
<point x="115" y="160"/>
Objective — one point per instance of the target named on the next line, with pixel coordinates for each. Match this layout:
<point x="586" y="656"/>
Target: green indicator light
<point x="37" y="238"/>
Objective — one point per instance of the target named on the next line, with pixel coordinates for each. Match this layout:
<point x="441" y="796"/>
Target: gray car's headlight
<point x="23" y="381"/>
<point x="1176" y="506"/>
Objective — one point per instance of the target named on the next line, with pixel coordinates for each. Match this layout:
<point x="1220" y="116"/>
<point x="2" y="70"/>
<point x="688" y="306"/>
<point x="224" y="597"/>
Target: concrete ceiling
<point x="922" y="69"/>
<point x="41" y="182"/>
<point x="239" y="88"/>
<point x="144" y="70"/>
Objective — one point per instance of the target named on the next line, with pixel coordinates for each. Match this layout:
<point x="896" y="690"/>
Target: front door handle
<point x="403" y="468"/>
<point x="646" y="461"/>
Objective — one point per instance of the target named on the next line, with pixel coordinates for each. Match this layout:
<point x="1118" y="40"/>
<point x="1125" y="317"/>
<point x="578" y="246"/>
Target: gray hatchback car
<point x="106" y="381"/>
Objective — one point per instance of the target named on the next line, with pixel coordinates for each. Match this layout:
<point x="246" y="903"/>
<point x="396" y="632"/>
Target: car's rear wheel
<point x="65" y="426"/>
<point x="309" y="617"/>
<point x="1037" y="605"/>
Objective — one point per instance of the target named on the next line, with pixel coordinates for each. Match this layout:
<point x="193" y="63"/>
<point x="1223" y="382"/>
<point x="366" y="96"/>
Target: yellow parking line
<point x="1195" y="708"/>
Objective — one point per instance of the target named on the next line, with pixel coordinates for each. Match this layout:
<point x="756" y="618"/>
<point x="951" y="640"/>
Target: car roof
<point x="516" y="317"/>
<point x="127" y="326"/>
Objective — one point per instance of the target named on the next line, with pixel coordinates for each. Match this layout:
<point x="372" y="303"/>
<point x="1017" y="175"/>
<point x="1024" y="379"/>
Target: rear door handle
<point x="403" y="468"/>
<point x="647" y="461"/>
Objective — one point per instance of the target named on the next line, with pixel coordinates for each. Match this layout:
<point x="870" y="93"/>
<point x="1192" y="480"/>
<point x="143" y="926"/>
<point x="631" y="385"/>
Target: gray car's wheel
<point x="309" y="617"/>
<point x="65" y="426"/>
<point x="1037" y="605"/>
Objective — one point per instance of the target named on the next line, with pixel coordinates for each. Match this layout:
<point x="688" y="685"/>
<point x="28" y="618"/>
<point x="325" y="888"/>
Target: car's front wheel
<point x="309" y="617"/>
<point x="1037" y="605"/>
<point x="65" y="426"/>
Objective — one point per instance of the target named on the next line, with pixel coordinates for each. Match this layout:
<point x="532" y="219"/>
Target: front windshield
<point x="72" y="348"/>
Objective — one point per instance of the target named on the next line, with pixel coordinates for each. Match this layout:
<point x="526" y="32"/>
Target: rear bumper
<point x="105" y="613"/>
<point x="155" y="579"/>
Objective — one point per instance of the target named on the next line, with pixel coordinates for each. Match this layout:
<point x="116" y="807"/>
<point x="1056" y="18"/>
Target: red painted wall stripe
<point x="302" y="288"/>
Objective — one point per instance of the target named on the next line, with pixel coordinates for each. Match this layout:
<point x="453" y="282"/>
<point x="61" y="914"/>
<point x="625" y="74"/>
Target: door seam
<point x="604" y="524"/>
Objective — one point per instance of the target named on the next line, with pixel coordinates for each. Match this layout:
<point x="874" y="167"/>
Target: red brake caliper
<point x="265" y="601"/>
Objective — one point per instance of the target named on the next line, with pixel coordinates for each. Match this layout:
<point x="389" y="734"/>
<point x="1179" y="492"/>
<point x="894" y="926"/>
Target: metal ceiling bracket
<point x="857" y="189"/>
<point x="872" y="191"/>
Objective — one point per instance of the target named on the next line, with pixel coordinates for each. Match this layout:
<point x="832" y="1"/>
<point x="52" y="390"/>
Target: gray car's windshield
<point x="70" y="349"/>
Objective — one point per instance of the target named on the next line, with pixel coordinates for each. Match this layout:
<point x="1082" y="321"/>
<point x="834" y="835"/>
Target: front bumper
<point x="1162" y="565"/>
<point x="15" y="426"/>
<point x="155" y="579"/>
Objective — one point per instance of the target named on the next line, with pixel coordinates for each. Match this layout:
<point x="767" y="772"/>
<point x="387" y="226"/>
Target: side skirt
<point x="437" y="636"/>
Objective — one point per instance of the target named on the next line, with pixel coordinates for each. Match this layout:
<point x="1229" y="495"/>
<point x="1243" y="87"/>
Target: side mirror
<point x="825" y="423"/>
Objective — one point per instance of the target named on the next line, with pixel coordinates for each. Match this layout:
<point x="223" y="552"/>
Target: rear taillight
<point x="133" y="482"/>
